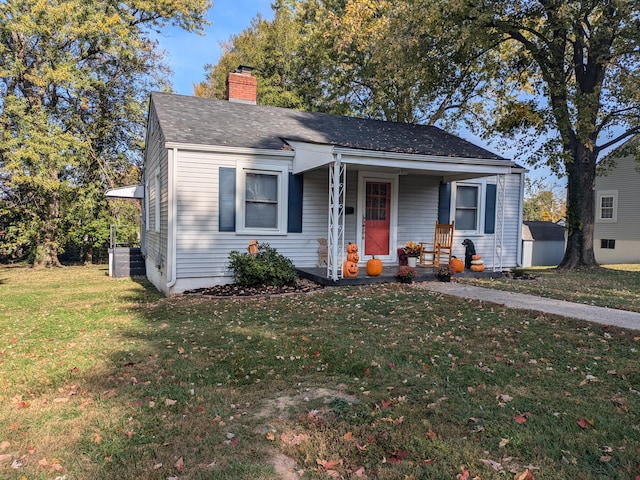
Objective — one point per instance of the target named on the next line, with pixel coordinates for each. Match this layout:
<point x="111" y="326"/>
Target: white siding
<point x="626" y="229"/>
<point x="203" y="251"/>
<point x="154" y="244"/>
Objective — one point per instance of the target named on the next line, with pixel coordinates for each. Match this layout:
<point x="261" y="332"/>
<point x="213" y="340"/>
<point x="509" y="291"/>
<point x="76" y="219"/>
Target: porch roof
<point x="311" y="156"/>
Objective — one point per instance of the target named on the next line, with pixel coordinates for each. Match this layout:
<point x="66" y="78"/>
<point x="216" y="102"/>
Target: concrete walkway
<point x="604" y="316"/>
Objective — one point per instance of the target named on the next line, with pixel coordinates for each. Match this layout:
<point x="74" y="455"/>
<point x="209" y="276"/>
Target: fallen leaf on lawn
<point x="463" y="475"/>
<point x="97" y="438"/>
<point x="362" y="448"/>
<point x="605" y="458"/>
<point x="157" y="466"/>
<point x="398" y="457"/>
<point x="56" y="467"/>
<point x="179" y="464"/>
<point x="270" y="436"/>
<point x="386" y="404"/>
<point x="495" y="465"/>
<point x="428" y="461"/>
<point x="16" y="464"/>
<point x="4" y="445"/>
<point x="503" y="442"/>
<point x="526" y="475"/>
<point x="504" y="398"/>
<point x="359" y="473"/>
<point x="348" y="437"/>
<point x="431" y="435"/>
<point x="22" y="404"/>
<point x="43" y="463"/>
<point x="5" y="457"/>
<point x="168" y="402"/>
<point x="584" y="423"/>
<point x="521" y="419"/>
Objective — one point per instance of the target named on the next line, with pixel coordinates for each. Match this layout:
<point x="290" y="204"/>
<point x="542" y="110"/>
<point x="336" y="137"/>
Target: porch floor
<point x="319" y="275"/>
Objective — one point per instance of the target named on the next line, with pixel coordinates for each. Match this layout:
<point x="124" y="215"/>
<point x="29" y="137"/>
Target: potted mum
<point x="412" y="250"/>
<point x="406" y="274"/>
<point x="445" y="272"/>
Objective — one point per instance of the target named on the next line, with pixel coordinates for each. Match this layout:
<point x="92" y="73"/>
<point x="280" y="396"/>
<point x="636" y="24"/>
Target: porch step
<point x="127" y="262"/>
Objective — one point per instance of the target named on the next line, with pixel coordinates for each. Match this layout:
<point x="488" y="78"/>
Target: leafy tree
<point x="543" y="201"/>
<point x="73" y="81"/>
<point x="569" y="75"/>
<point x="270" y="46"/>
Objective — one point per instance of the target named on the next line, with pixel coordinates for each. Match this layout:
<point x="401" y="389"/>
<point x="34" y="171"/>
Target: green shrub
<point x="267" y="267"/>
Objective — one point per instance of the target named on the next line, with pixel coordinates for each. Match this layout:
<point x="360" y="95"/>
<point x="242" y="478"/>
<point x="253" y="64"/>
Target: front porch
<point x="319" y="276"/>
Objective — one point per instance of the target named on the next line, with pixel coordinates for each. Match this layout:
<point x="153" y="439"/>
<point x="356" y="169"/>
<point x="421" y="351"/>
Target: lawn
<point x="104" y="378"/>
<point x="613" y="286"/>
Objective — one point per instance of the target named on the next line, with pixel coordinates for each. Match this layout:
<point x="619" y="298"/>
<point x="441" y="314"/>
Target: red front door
<point x="377" y="218"/>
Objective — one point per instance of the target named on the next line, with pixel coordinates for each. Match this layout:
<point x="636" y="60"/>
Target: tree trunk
<point x="581" y="175"/>
<point x="47" y="252"/>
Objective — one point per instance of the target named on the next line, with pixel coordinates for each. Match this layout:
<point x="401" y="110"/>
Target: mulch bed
<point x="233" y="290"/>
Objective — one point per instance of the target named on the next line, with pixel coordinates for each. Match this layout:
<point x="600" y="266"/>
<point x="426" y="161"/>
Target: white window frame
<point x="281" y="172"/>
<point x="602" y="194"/>
<point x="481" y="185"/>
<point x="156" y="186"/>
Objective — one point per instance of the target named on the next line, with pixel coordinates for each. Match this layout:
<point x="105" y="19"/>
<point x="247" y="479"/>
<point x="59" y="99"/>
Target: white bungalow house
<point x="617" y="218"/>
<point x="218" y="174"/>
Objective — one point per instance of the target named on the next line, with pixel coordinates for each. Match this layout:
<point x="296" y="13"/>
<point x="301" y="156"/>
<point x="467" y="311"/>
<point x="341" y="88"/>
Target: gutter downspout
<point x="171" y="216"/>
<point x="520" y="216"/>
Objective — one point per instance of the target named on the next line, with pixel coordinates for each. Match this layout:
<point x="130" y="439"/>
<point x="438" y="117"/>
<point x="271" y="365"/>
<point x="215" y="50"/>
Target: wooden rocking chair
<point x="432" y="254"/>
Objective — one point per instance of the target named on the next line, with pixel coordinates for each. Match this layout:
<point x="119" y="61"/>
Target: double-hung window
<point x="607" y="206"/>
<point x="468" y="207"/>
<point x="263" y="199"/>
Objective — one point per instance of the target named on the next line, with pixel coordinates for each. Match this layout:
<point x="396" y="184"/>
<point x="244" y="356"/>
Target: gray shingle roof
<point x="205" y="121"/>
<point x="545" y="231"/>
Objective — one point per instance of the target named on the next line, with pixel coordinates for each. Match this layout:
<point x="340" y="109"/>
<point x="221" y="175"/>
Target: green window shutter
<point x="490" y="209"/>
<point x="444" y="203"/>
<point x="294" y="223"/>
<point x="227" y="199"/>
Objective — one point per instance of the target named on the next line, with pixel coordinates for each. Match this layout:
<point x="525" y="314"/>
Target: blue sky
<point x="188" y="53"/>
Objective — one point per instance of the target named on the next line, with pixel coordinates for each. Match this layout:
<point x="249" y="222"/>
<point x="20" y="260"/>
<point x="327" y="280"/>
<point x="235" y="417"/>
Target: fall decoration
<point x="457" y="264"/>
<point x="406" y="274"/>
<point x="350" y="269"/>
<point x="374" y="267"/>
<point x="353" y="257"/>
<point x="352" y="248"/>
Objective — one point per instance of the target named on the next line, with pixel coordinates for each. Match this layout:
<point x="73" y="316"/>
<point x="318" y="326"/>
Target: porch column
<point x="498" y="237"/>
<point x="335" y="237"/>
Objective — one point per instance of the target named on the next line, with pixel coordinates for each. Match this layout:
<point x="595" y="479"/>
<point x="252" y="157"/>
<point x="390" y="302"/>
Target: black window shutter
<point x="295" y="204"/>
<point x="490" y="209"/>
<point x="227" y="199"/>
<point x="444" y="203"/>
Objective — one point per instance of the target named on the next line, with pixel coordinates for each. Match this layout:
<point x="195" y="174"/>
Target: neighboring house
<point x="218" y="174"/>
<point x="543" y="244"/>
<point x="616" y="234"/>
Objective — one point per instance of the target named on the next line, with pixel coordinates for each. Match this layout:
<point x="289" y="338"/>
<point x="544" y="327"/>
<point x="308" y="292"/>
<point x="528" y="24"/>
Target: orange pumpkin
<point x="350" y="269"/>
<point x="457" y="264"/>
<point x="475" y="257"/>
<point x="352" y="248"/>
<point x="477" y="268"/>
<point x="374" y="267"/>
<point x="353" y="257"/>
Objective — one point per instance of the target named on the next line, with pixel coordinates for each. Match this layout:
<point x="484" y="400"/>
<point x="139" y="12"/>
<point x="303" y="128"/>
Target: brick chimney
<point x="242" y="86"/>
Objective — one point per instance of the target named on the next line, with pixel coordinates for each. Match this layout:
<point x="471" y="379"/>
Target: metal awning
<point x="132" y="191"/>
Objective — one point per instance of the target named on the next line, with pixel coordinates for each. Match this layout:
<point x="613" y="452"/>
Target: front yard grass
<point x="613" y="286"/>
<point x="103" y="378"/>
